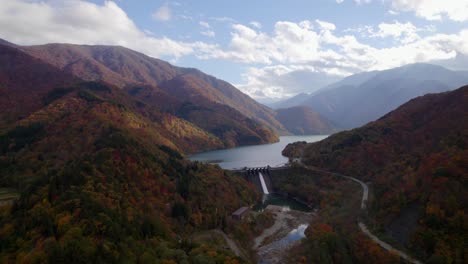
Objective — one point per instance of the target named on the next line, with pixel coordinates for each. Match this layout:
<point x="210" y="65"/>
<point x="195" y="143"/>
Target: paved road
<point x="362" y="226"/>
<point x="386" y="246"/>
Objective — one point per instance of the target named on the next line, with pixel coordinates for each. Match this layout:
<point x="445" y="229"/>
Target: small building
<point x="240" y="213"/>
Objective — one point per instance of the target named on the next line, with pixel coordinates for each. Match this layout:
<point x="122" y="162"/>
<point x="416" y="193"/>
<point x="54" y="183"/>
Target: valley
<point x="367" y="217"/>
<point x="136" y="132"/>
<point x="97" y="165"/>
<point x="291" y="218"/>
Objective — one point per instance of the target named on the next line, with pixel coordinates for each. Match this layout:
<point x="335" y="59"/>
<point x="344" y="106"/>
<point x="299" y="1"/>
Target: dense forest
<point x="415" y="159"/>
<point x="92" y="145"/>
<point x="332" y="236"/>
<point x="101" y="176"/>
<point x="178" y="105"/>
<point x="96" y="188"/>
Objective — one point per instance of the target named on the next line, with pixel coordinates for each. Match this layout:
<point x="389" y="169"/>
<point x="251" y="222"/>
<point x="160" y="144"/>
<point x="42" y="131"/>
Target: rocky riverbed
<point x="288" y="229"/>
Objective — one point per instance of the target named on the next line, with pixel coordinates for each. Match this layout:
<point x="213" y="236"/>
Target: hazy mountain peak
<point x="301" y="120"/>
<point x="366" y="96"/>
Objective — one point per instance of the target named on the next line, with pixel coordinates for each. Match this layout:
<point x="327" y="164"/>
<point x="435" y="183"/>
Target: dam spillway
<point x="262" y="182"/>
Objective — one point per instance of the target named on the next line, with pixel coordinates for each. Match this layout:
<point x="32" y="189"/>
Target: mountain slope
<point x="101" y="182"/>
<point x="126" y="68"/>
<point x="301" y="120"/>
<point x="415" y="157"/>
<point x="364" y="97"/>
<point x="296" y="100"/>
<point x="28" y="85"/>
<point x="100" y="174"/>
<point x="24" y="81"/>
<point x="193" y="123"/>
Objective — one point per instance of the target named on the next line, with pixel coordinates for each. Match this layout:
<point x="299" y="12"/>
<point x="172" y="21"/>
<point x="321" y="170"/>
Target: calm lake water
<point x="253" y="156"/>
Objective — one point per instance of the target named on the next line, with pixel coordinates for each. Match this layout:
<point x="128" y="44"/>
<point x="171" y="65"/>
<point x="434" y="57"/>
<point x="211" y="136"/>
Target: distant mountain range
<point x="415" y="157"/>
<point x="301" y="120"/>
<point x="364" y="97"/>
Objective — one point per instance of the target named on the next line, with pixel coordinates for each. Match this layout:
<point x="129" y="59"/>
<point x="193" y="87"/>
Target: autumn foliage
<point x="414" y="157"/>
<point x="102" y="177"/>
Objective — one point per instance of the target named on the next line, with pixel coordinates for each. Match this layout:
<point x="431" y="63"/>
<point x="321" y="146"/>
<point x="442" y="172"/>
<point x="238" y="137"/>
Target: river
<point x="291" y="217"/>
<point x="253" y="156"/>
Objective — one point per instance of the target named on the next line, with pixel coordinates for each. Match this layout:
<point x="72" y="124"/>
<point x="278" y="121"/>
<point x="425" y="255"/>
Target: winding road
<point x="362" y="226"/>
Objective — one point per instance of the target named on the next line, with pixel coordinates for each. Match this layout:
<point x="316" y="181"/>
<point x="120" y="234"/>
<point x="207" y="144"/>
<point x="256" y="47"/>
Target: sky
<point x="268" y="49"/>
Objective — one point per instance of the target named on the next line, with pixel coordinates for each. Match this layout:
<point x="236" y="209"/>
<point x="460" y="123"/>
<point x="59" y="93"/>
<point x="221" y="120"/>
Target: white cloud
<point x="79" y="22"/>
<point x="223" y="19"/>
<point x="282" y="58"/>
<point x="294" y="48"/>
<point x="163" y="13"/>
<point x="456" y="10"/>
<point x="405" y="32"/>
<point x="290" y="42"/>
<point x="325" y="25"/>
<point x="185" y="17"/>
<point x="364" y="31"/>
<point x="208" y="33"/>
<point x="402" y="32"/>
<point x="356" y="1"/>
<point x="361" y="57"/>
<point x="204" y="24"/>
<point x="299" y="43"/>
<point x="256" y="24"/>
<point x="148" y="32"/>
<point x="362" y="1"/>
<point x="280" y="81"/>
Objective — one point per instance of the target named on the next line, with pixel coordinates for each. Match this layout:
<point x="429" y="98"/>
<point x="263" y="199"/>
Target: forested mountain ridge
<point x="108" y="195"/>
<point x="183" y="92"/>
<point x="126" y="68"/>
<point x="100" y="175"/>
<point x="24" y="81"/>
<point x="27" y="84"/>
<point x="415" y="158"/>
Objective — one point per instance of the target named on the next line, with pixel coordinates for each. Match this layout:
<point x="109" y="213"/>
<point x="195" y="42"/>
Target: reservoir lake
<point x="253" y="156"/>
<point x="258" y="156"/>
